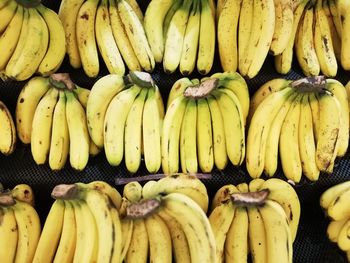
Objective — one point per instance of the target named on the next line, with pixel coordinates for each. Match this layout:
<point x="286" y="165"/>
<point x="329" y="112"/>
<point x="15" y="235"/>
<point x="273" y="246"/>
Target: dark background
<point x="311" y="245"/>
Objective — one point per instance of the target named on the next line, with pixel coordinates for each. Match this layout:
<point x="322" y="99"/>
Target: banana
<point x="332" y="193"/>
<point x="59" y="145"/>
<point x="344" y="238"/>
<point x="259" y="128"/>
<point x="114" y="128"/>
<point x="135" y="6"/>
<point x="338" y="209"/>
<point x="204" y="137"/>
<point x="323" y="42"/>
<point x="284" y="194"/>
<point x="78" y="132"/>
<point x="66" y="246"/>
<point x="180" y="249"/>
<point x="29" y="54"/>
<point x="236" y="246"/>
<point x="340" y="93"/>
<point x="334" y="229"/>
<point x="220" y="220"/>
<point x="24" y="193"/>
<point x="307" y="147"/>
<point x="328" y="133"/>
<point x="195" y="225"/>
<point x="169" y="15"/>
<point x="28" y="225"/>
<point x="139" y="245"/>
<point x="7" y="131"/>
<point x="289" y="143"/>
<point x="85" y="33"/>
<point x="171" y="135"/>
<point x="82" y="95"/>
<point x="133" y="132"/>
<point x="207" y="36"/>
<point x="10" y="37"/>
<point x="283" y="61"/>
<point x="127" y="226"/>
<point x="137" y="36"/>
<point x="333" y="8"/>
<point x="256" y="235"/>
<point x="51" y="233"/>
<point x="219" y="140"/>
<point x="313" y="101"/>
<point x="159" y="239"/>
<point x="273" y="138"/>
<point x="117" y="247"/>
<point x="3" y="3"/>
<point x="109" y="238"/>
<point x="151" y="130"/>
<point x="68" y="13"/>
<point x="160" y="104"/>
<point x="255" y="184"/>
<point x="108" y="190"/>
<point x="27" y="103"/>
<point x="102" y="93"/>
<point x="6" y="13"/>
<point x="42" y="126"/>
<point x="153" y="24"/>
<point x="106" y="42"/>
<point x="223" y="195"/>
<point x="178" y="89"/>
<point x="8" y="235"/>
<point x="245" y="28"/>
<point x="86" y="232"/>
<point x="283" y="26"/>
<point x="122" y="40"/>
<point x="188" y="139"/>
<point x="190" y="41"/>
<point x="305" y="44"/>
<point x="343" y="12"/>
<point x="57" y="42"/>
<point x="227" y="34"/>
<point x="179" y="183"/>
<point x="133" y="192"/>
<point x="279" y="245"/>
<point x="232" y="115"/>
<point x="175" y="36"/>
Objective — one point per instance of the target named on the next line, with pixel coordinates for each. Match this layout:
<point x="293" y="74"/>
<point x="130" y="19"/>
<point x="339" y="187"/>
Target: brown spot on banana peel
<point x="250" y="198"/>
<point x="85" y="16"/>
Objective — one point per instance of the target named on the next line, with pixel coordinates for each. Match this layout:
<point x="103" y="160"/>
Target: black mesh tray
<point x="311" y="245"/>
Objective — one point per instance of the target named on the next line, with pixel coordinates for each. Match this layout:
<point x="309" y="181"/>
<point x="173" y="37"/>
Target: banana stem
<point x="250" y="198"/>
<point x="29" y="3"/>
<point x="310" y="84"/>
<point x="142" y="208"/>
<point x="62" y="81"/>
<point x="6" y="199"/>
<point x="65" y="191"/>
<point x="201" y="90"/>
<point x="142" y="79"/>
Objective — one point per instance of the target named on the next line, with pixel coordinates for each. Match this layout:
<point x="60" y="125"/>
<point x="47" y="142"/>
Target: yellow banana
<point x="24" y="193"/>
<point x="338" y="209"/>
<point x="245" y="28"/>
<point x="127" y="226"/>
<point x="313" y="101"/>
<point x="334" y="229"/>
<point x="6" y="13"/>
<point x="343" y="12"/>
<point x="344" y="238"/>
<point x="332" y="193"/>
<point x="8" y="235"/>
<point x="138" y="249"/>
<point x="178" y="89"/>
<point x="7" y="131"/>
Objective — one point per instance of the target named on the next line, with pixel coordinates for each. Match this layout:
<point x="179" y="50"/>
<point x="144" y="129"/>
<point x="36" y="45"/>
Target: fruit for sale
<point x="83" y="225"/>
<point x="32" y="40"/>
<point x="335" y="203"/>
<point x="305" y="122"/>
<point x="114" y="28"/>
<point x="204" y="123"/>
<point x="261" y="218"/>
<point x="167" y="221"/>
<point x="20" y="228"/>
<point x="137" y="102"/>
<point x="181" y="34"/>
<point x="8" y="137"/>
<point x="50" y="115"/>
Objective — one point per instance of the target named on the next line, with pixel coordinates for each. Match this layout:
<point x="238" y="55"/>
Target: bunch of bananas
<point x="261" y="219"/>
<point x="320" y="37"/>
<point x="124" y="115"/>
<point x="248" y="29"/>
<point x="305" y="121"/>
<point x="20" y="224"/>
<point x="50" y="114"/>
<point x="114" y="27"/>
<point x="205" y="123"/>
<point x="335" y="202"/>
<point x="31" y="40"/>
<point x="181" y="33"/>
<point x="163" y="221"/>
<point x="83" y="225"/>
<point x="8" y="137"/>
